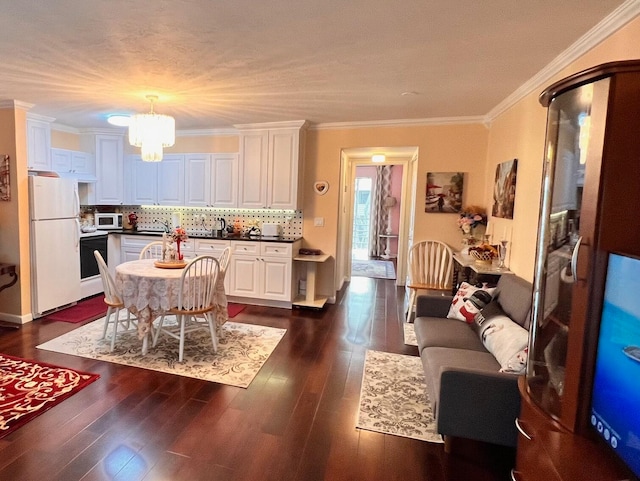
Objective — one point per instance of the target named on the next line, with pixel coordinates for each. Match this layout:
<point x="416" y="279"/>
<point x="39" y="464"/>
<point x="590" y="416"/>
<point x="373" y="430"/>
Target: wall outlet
<point x="318" y="222"/>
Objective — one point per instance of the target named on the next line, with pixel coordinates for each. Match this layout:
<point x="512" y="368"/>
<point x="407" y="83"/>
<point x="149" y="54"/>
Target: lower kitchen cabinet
<point x="132" y="245"/>
<point x="262" y="270"/>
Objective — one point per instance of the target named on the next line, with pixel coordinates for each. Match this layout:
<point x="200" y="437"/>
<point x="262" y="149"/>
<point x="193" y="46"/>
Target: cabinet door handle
<point x="515" y="475"/>
<point x="574" y="259"/>
<point x="522" y="431"/>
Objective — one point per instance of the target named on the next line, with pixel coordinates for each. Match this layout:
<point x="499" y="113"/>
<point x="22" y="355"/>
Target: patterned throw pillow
<point x="503" y="338"/>
<point x="468" y="301"/>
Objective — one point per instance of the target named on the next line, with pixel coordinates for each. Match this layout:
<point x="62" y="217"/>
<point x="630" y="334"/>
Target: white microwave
<point x="108" y="221"/>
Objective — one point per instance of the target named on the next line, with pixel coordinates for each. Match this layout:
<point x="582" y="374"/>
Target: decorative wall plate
<point x="321" y="187"/>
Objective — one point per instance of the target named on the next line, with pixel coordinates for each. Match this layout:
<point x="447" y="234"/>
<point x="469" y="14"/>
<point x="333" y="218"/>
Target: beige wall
<point x="65" y="140"/>
<point x="441" y="148"/>
<point x="14" y="215"/>
<point x="520" y="133"/>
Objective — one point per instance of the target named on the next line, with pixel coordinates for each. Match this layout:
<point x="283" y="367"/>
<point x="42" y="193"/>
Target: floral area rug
<point x="373" y="268"/>
<point x="29" y="388"/>
<point x="393" y="397"/>
<point x="242" y="351"/>
<point x="409" y="334"/>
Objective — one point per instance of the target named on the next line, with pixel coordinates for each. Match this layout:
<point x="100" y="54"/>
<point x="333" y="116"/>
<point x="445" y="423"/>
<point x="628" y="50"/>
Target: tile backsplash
<point x="151" y="217"/>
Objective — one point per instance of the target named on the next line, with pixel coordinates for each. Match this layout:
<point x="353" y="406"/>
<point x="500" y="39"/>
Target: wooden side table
<point x="466" y="269"/>
<point x="310" y="299"/>
<point x="10" y="270"/>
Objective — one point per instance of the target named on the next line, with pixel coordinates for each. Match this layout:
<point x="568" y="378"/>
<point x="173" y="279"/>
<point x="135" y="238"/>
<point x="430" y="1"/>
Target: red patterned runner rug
<point x="29" y="388"/>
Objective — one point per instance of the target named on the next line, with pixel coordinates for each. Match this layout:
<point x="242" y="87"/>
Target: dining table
<point x="149" y="291"/>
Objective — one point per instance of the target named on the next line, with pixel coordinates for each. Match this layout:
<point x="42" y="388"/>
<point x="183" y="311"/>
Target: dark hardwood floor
<point x="296" y="421"/>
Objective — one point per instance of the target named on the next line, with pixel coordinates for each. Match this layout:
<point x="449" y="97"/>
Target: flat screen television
<point x="615" y="399"/>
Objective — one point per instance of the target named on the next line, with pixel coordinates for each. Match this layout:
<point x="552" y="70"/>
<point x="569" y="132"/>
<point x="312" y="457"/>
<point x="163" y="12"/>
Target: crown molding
<point x="399" y="123"/>
<point x="292" y="124"/>
<point x="15" y="104"/>
<point x="604" y="29"/>
<point x="43" y="118"/>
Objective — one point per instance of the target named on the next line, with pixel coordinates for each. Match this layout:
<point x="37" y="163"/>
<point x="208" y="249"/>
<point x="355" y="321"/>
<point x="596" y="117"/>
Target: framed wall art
<point x="5" y="184"/>
<point x="504" y="189"/>
<point x="444" y="192"/>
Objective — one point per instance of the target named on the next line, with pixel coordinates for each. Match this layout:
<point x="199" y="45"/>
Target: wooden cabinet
<point x="109" y="188"/>
<point x="270" y="170"/>
<point x="38" y="144"/>
<point x="587" y="134"/>
<point x="75" y="164"/>
<point x="156" y="183"/>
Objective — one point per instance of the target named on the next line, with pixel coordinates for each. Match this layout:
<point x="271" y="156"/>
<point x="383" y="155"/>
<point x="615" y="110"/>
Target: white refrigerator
<point x="54" y="208"/>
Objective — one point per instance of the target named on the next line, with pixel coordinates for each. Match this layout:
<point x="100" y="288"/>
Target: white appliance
<point x="54" y="207"/>
<point x="271" y="230"/>
<point x="108" y="221"/>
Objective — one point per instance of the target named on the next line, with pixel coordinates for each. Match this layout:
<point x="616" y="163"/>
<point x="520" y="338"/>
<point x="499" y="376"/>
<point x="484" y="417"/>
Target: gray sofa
<point x="469" y="396"/>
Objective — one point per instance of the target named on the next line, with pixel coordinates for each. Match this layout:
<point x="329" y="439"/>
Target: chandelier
<point x="151" y="132"/>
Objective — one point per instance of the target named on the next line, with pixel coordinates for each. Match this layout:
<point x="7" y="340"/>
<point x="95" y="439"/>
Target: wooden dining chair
<point x="153" y="250"/>
<point x="113" y="300"/>
<point x="196" y="303"/>
<point x="430" y="268"/>
<point x="222" y="313"/>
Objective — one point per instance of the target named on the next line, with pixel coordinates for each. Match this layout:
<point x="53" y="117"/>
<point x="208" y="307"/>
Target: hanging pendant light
<point x="151" y="132"/>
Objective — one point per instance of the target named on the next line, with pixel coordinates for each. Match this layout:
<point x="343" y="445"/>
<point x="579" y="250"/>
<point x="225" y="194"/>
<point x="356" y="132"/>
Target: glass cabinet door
<point x="570" y="134"/>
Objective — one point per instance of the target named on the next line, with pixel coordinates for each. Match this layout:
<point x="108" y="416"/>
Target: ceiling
<point x="214" y="64"/>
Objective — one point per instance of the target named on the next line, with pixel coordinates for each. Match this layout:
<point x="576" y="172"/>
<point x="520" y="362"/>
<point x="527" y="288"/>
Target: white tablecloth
<point x="149" y="291"/>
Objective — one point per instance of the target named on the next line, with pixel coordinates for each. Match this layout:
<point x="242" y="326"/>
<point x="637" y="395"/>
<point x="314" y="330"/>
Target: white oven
<point x="105" y="221"/>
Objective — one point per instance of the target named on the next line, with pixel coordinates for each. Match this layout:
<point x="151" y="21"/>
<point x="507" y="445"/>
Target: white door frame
<point x="349" y="159"/>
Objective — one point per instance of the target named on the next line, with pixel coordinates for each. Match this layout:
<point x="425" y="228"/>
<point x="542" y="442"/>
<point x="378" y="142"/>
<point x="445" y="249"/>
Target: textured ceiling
<point x="218" y="63"/>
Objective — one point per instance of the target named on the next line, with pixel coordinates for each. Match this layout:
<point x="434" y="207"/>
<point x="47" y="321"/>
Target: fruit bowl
<point x="483" y="254"/>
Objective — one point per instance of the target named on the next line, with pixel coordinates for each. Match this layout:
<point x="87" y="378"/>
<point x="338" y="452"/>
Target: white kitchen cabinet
<point x="261" y="270"/>
<point x="75" y="164"/>
<point x="213" y="247"/>
<point x="156" y="183"/>
<point x="270" y="165"/>
<point x="109" y="188"/>
<point x="132" y="245"/>
<point x="197" y="172"/>
<point x="38" y="144"/>
<point x="224" y="180"/>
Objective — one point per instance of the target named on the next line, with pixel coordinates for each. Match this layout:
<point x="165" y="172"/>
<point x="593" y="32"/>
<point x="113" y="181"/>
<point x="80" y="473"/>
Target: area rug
<point x="29" y="388"/>
<point x="84" y="310"/>
<point x="242" y="351"/>
<point x="409" y="334"/>
<point x="393" y="397"/>
<point x="373" y="268"/>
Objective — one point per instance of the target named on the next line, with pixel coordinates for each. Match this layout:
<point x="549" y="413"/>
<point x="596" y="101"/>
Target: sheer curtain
<point x="379" y="213"/>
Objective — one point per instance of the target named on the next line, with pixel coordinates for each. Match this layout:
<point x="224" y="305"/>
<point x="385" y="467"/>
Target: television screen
<point x="615" y="401"/>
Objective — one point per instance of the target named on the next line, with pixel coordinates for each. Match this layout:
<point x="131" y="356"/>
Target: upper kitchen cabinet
<point x="156" y="183"/>
<point x="211" y="180"/>
<point x="38" y="144"/>
<point x="109" y="189"/>
<point x="75" y="164"/>
<point x="270" y="165"/>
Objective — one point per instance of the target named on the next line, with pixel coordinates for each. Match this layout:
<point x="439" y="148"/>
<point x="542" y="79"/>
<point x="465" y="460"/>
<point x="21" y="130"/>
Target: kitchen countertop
<point x="200" y="235"/>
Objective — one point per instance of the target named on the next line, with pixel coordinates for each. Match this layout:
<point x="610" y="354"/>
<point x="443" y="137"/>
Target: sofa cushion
<point x="514" y="295"/>
<point x="437" y="359"/>
<point x="468" y="301"/>
<point x="503" y="338"/>
<point x="439" y="332"/>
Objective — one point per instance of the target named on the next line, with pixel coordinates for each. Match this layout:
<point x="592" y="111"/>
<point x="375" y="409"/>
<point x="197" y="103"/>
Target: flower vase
<point x="180" y="257"/>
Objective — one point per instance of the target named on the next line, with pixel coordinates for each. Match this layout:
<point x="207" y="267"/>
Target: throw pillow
<point x="468" y="301"/>
<point x="503" y="338"/>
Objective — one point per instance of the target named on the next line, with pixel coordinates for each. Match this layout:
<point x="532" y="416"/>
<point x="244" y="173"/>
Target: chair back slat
<point x="431" y="264"/>
<point x="198" y="284"/>
<point x="109" y="286"/>
<point x="153" y="250"/>
<point x="223" y="260"/>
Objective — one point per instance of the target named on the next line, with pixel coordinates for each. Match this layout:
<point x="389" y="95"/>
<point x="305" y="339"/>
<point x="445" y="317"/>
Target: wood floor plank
<point x="296" y="421"/>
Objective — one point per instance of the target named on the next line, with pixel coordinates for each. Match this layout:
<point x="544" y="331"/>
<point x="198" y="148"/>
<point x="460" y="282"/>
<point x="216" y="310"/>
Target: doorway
<point x="354" y="195"/>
